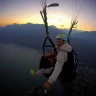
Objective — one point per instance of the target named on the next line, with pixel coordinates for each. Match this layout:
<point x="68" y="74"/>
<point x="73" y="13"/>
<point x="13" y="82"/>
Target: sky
<point x="24" y="11"/>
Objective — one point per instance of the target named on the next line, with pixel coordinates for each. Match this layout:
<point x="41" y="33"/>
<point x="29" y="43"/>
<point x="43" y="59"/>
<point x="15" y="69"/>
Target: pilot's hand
<point x="47" y="85"/>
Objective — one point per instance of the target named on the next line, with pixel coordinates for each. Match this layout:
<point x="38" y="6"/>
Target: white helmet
<point x="62" y="37"/>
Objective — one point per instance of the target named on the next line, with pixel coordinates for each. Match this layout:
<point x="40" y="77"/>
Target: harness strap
<point x="52" y="44"/>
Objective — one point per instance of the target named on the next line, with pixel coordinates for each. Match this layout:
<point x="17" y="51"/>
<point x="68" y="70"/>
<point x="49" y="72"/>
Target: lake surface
<point x="15" y="63"/>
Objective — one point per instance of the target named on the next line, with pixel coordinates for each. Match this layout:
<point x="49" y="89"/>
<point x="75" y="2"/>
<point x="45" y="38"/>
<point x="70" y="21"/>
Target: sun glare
<point x="60" y="21"/>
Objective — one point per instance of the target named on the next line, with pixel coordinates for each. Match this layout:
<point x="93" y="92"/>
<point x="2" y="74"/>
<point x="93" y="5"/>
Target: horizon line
<point x="43" y="24"/>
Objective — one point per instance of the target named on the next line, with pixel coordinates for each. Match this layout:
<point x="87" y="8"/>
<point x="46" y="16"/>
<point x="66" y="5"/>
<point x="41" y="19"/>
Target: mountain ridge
<point x="33" y="35"/>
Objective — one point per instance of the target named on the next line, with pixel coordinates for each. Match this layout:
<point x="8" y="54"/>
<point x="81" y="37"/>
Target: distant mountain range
<point x="33" y="35"/>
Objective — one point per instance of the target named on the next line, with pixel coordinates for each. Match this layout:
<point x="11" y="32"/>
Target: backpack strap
<point x="68" y="72"/>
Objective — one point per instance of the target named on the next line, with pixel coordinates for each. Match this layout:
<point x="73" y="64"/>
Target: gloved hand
<point x="47" y="85"/>
<point x="32" y="72"/>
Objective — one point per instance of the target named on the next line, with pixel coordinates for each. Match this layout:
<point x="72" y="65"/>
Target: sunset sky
<point x="24" y="11"/>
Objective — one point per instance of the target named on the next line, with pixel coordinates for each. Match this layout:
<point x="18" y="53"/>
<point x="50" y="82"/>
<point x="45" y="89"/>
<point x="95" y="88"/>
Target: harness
<point x="68" y="72"/>
<point x="47" y="62"/>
